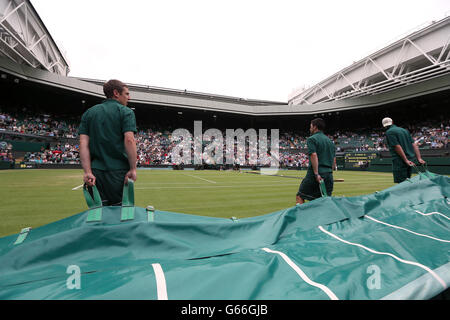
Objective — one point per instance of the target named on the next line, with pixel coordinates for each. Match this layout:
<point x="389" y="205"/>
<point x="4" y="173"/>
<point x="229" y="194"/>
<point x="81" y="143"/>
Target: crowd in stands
<point x="59" y="154"/>
<point x="6" y="152"/>
<point x="41" y="125"/>
<point x="153" y="147"/>
<point x="430" y="136"/>
<point x="155" y="144"/>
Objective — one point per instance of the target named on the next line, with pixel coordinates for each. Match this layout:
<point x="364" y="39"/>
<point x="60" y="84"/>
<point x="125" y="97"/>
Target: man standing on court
<point x="107" y="146"/>
<point x="404" y="150"/>
<point x="322" y="161"/>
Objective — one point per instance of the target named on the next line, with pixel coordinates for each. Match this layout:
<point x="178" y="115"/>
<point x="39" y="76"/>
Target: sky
<point x="252" y="49"/>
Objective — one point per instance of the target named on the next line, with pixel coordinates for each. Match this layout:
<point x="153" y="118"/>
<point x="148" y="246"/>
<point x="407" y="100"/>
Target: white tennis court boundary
<point x="305" y="278"/>
<point x="190" y="175"/>
<point x="407" y="230"/>
<point x="432" y="213"/>
<point x="161" y="287"/>
<point x="423" y="288"/>
<point x="442" y="282"/>
<point x="237" y="186"/>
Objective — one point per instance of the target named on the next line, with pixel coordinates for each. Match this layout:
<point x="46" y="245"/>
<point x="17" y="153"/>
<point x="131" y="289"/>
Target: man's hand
<point x="318" y="178"/>
<point x="85" y="157"/>
<point x="410" y="163"/>
<point x="417" y="152"/>
<point x="131" y="175"/>
<point x="130" y="148"/>
<point x="89" y="179"/>
<point x="421" y="161"/>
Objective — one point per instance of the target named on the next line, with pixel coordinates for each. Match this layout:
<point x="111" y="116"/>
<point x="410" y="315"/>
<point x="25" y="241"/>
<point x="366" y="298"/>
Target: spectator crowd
<point x="59" y="154"/>
<point x="42" y="125"/>
<point x="6" y="152"/>
<point x="155" y="145"/>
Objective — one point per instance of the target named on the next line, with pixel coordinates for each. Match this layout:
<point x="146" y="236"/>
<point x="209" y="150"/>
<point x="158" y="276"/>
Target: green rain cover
<point x="392" y="244"/>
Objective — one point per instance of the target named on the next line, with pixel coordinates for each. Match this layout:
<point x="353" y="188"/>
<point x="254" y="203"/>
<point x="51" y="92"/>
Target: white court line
<point x="76" y="188"/>
<point x="429" y="214"/>
<point x="442" y="282"/>
<point x="210" y="181"/>
<point x="160" y="282"/>
<point x="303" y="275"/>
<point x="219" y="186"/>
<point x="397" y="227"/>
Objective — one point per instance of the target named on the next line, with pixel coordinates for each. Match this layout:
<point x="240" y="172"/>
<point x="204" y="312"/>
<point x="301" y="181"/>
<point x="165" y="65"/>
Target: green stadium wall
<point x="6" y="165"/>
<point x="28" y="146"/>
<point x="439" y="165"/>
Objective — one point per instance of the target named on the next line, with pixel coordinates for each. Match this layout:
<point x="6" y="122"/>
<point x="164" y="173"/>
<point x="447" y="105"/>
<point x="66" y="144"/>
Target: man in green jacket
<point x="107" y="145"/>
<point x="403" y="149"/>
<point x="322" y="161"/>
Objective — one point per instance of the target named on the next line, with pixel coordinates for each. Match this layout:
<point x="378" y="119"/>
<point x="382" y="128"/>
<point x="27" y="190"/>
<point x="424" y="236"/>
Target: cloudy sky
<point x="253" y="49"/>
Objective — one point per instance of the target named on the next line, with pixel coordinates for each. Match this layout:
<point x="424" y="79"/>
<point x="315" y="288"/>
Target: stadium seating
<point x="154" y="144"/>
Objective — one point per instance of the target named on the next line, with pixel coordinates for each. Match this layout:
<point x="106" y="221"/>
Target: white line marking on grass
<point x="397" y="227"/>
<point x="442" y="282"/>
<point x="237" y="186"/>
<point x="160" y="282"/>
<point x="76" y="188"/>
<point x="303" y="275"/>
<point x="429" y="214"/>
<point x="190" y="175"/>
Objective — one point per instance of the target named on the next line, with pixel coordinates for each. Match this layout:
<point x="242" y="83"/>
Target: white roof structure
<point x="419" y="56"/>
<point x="416" y="65"/>
<point x="25" y="39"/>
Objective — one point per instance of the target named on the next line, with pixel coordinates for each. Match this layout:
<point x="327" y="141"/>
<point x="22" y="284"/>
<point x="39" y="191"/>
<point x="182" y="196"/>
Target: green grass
<point x="32" y="198"/>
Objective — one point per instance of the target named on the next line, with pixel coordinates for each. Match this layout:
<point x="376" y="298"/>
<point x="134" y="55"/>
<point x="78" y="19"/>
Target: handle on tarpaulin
<point x="22" y="235"/>
<point x="94" y="203"/>
<point x="426" y="173"/>
<point x="421" y="174"/>
<point x="128" y="201"/>
<point x="323" y="189"/>
<point x="128" y="193"/>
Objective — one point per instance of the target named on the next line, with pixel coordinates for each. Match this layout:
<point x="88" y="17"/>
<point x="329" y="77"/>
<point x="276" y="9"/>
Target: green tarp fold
<point x="392" y="244"/>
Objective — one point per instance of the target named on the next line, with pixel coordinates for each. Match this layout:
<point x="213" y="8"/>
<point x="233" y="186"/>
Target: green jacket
<point x="326" y="151"/>
<point x="106" y="124"/>
<point x="399" y="136"/>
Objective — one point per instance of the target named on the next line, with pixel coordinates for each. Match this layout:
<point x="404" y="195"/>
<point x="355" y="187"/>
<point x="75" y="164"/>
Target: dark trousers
<point x="400" y="170"/>
<point x="110" y="186"/>
<point x="309" y="188"/>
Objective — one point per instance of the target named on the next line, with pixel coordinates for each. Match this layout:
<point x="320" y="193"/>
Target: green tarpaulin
<point x="393" y="244"/>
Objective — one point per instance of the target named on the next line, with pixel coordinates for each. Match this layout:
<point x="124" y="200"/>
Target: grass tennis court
<point x="32" y="198"/>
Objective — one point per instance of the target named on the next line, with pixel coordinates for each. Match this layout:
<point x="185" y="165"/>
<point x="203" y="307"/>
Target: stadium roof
<point x="190" y="94"/>
<point x="416" y="65"/>
<point x="210" y="102"/>
<point x="421" y="55"/>
<point x="25" y="39"/>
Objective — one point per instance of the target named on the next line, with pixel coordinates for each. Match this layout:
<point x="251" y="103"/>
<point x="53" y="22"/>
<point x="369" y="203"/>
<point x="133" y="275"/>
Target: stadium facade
<point x="407" y="80"/>
<point x="418" y="64"/>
